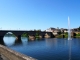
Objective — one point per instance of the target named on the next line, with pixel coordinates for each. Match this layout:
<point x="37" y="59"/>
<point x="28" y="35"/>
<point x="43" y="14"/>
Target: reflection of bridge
<point x="18" y="33"/>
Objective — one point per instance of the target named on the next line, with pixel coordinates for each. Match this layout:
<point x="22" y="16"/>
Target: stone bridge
<point x="18" y="33"/>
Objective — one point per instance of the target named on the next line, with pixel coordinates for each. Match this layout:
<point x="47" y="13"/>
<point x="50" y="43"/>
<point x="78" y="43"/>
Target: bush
<point x="78" y="34"/>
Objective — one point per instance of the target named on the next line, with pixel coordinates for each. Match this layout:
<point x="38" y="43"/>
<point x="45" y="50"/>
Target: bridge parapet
<point x="31" y="33"/>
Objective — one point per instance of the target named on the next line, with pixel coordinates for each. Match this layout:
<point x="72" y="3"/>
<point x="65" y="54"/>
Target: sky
<point x="39" y="14"/>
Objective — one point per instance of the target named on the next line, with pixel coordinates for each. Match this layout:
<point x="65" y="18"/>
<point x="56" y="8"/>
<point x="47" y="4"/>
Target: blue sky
<point x="39" y="14"/>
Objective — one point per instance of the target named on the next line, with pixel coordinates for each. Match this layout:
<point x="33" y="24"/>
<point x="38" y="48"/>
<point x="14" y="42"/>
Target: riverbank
<point x="13" y="55"/>
<point x="66" y="36"/>
<point x="2" y="57"/>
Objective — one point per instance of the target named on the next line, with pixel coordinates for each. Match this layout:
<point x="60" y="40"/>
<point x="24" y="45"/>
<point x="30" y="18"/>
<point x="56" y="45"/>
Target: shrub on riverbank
<point x="77" y="35"/>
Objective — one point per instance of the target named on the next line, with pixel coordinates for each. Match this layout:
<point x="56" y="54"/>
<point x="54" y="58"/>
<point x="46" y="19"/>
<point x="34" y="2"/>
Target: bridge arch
<point x="9" y="34"/>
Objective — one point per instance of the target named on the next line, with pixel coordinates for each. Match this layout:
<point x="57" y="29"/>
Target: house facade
<point x="53" y="30"/>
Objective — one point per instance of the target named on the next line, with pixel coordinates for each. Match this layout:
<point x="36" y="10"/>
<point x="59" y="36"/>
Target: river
<point x="46" y="49"/>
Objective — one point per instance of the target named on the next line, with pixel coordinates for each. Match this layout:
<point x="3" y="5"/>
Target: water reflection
<point x="18" y="42"/>
<point x="12" y="41"/>
<point x="24" y="41"/>
<point x="69" y="41"/>
<point x="9" y="41"/>
<point x="65" y="42"/>
<point x="56" y="42"/>
<point x="51" y="42"/>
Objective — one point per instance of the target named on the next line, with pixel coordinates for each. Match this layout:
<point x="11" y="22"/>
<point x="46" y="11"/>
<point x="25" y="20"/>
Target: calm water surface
<point x="46" y="49"/>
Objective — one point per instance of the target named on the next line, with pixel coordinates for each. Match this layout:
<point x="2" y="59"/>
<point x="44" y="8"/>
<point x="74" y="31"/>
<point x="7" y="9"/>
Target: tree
<point x="39" y="30"/>
<point x="37" y="35"/>
<point x="25" y="34"/>
<point x="79" y="28"/>
<point x="34" y="29"/>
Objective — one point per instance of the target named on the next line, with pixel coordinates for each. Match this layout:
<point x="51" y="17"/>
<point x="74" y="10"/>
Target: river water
<point x="46" y="49"/>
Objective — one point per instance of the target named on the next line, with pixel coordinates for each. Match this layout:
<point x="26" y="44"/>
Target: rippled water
<point x="47" y="49"/>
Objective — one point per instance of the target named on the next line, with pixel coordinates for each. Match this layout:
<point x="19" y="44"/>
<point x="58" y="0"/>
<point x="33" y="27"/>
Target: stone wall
<point x="13" y="55"/>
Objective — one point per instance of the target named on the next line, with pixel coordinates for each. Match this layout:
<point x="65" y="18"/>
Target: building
<point x="50" y="30"/>
<point x="65" y="30"/>
<point x="53" y="30"/>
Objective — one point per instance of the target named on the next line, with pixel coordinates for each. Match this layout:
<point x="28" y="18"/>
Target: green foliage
<point x="77" y="34"/>
<point x="38" y="30"/>
<point x="25" y="35"/>
<point x="59" y="36"/>
<point x="66" y="36"/>
<point x="66" y="33"/>
<point x="37" y="35"/>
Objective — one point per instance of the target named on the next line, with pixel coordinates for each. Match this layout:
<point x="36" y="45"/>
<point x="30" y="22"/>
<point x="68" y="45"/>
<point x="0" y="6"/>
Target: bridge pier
<point x="52" y="35"/>
<point x="43" y="36"/>
<point x="1" y="40"/>
<point x="1" y="37"/>
<point x="18" y="38"/>
<point x="31" y="37"/>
